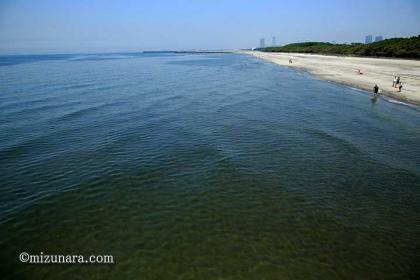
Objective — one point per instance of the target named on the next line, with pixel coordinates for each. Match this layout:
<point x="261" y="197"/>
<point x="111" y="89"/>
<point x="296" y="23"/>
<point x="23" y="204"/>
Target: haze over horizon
<point x="48" y="26"/>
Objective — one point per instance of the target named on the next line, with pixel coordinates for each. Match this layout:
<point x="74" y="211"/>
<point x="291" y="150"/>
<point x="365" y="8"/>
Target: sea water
<point x="202" y="166"/>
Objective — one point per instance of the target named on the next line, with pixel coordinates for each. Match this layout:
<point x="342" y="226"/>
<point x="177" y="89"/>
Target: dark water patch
<point x="10" y="60"/>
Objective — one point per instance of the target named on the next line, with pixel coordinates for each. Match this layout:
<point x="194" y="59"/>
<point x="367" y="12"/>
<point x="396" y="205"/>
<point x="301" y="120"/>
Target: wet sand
<point x="343" y="69"/>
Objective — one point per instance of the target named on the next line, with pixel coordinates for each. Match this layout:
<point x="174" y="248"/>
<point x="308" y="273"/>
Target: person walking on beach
<point x="400" y="87"/>
<point x="394" y="82"/>
<point x="375" y="94"/>
<point x="376" y="89"/>
<point x="398" y="81"/>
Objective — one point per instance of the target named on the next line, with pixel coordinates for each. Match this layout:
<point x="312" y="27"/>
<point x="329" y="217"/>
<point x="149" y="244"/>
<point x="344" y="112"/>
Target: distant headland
<point x="408" y="48"/>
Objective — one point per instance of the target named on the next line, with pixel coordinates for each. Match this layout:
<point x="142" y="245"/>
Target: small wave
<point x="334" y="139"/>
<point x="390" y="100"/>
<point x="358" y="89"/>
<point x="81" y="112"/>
<point x="97" y="57"/>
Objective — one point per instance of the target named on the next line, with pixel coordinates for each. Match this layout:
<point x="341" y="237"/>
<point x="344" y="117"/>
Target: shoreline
<point x="343" y="70"/>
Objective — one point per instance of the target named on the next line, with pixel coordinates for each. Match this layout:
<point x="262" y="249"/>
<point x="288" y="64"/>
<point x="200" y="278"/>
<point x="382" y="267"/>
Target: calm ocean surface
<point x="216" y="166"/>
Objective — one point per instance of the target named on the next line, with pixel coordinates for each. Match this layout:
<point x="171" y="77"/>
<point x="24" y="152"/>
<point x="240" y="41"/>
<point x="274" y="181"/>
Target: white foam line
<point x="390" y="100"/>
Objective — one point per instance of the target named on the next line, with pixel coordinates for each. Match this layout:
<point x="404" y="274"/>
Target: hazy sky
<point x="42" y="26"/>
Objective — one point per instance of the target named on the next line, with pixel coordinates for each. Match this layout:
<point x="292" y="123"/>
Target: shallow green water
<point x="203" y="167"/>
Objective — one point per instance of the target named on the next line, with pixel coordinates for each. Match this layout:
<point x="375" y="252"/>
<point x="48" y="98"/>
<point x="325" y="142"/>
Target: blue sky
<point x="57" y="26"/>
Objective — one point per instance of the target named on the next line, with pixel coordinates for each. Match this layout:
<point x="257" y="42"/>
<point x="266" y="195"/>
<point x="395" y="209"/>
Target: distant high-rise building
<point x="262" y="43"/>
<point x="273" y="43"/>
<point x="378" y="38"/>
<point x="368" y="39"/>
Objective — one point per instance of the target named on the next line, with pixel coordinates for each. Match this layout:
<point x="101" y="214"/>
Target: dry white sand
<point x="343" y="69"/>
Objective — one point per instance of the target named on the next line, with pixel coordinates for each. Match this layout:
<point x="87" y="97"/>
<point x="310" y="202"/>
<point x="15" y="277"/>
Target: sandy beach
<point x="343" y="70"/>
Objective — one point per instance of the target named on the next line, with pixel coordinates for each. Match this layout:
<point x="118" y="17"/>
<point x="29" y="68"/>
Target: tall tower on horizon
<point x="378" y="38"/>
<point x="262" y="43"/>
<point x="368" y="39"/>
<point x="273" y="43"/>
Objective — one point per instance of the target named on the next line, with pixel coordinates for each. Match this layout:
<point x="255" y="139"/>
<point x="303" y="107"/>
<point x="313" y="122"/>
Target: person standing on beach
<point x="394" y="82"/>
<point x="398" y="81"/>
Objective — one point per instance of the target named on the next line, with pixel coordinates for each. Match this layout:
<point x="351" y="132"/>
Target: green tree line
<point x="395" y="47"/>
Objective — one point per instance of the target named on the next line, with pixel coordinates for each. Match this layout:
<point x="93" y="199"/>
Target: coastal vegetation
<point x="395" y="47"/>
